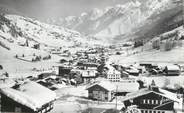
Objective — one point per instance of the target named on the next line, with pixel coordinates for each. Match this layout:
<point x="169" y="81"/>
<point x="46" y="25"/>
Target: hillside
<point x="147" y="53"/>
<point x="26" y="43"/>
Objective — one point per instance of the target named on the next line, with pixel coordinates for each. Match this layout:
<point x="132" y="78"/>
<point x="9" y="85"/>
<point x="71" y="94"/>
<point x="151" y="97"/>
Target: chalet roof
<point x="127" y="86"/>
<point x="145" y="91"/>
<point x="30" y="94"/>
<point x="132" y="70"/>
<point x="105" y="84"/>
<point x="172" y="67"/>
<point x="113" y="71"/>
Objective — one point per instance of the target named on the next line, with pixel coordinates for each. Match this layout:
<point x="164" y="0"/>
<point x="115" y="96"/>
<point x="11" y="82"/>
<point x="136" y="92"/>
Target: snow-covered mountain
<point x="18" y="29"/>
<point x="120" y="20"/>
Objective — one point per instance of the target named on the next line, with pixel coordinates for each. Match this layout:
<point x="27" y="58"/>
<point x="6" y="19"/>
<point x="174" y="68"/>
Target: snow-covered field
<point x="173" y="56"/>
<point x="73" y="99"/>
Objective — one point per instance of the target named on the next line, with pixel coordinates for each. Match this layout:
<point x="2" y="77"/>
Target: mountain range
<point x="132" y="20"/>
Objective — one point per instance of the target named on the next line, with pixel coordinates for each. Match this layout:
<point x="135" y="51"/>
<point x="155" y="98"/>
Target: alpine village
<point x="128" y="58"/>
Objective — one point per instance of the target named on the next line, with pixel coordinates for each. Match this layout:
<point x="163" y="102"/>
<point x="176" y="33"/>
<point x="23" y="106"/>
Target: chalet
<point x="172" y="70"/>
<point x="88" y="75"/>
<point x="153" y="100"/>
<point x="101" y="91"/>
<point x="29" y="97"/>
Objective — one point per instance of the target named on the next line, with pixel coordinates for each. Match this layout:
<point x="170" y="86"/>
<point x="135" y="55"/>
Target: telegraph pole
<point x="116" y="97"/>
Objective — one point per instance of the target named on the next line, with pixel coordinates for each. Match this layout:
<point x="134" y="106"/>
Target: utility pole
<point x="116" y="98"/>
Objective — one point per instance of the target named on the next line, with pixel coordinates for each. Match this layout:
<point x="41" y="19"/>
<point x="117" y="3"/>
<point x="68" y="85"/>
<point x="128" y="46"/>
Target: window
<point x="18" y="109"/>
<point x="150" y="111"/>
<point x="144" y="101"/>
<point x="156" y="102"/>
<point x="148" y="101"/>
<point x="106" y="98"/>
<point x="163" y="111"/>
<point x="158" y="111"/>
<point x="142" y="111"/>
<point x="154" y="111"/>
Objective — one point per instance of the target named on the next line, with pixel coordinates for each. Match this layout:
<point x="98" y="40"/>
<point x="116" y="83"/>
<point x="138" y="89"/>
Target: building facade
<point x="101" y="91"/>
<point x="114" y="76"/>
<point x="152" y="101"/>
<point x="88" y="76"/>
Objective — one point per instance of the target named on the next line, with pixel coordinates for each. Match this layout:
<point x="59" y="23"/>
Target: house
<point x="88" y="75"/>
<point x="113" y="75"/>
<point x="172" y="70"/>
<point x="63" y="70"/>
<point x="29" y="97"/>
<point x="153" y="100"/>
<point x="101" y="91"/>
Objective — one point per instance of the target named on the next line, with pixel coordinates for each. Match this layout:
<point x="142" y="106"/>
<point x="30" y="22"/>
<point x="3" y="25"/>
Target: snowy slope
<point x="19" y="35"/>
<point x="43" y="33"/>
<point x="147" y="54"/>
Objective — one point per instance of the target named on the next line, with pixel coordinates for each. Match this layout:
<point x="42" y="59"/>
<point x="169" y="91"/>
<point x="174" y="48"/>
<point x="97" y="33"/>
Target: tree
<point x="16" y="56"/>
<point x="1" y="67"/>
<point x="27" y="43"/>
<point x="118" y="53"/>
<point x="153" y="83"/>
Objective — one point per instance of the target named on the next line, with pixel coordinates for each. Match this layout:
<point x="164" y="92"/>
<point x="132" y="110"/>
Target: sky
<point x="42" y="9"/>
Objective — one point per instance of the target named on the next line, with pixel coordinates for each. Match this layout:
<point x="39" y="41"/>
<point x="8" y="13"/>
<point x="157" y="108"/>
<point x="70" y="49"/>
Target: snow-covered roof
<point x="172" y="67"/>
<point x="30" y="94"/>
<point x="145" y="91"/>
<point x="132" y="70"/>
<point x="127" y="86"/>
<point x="113" y="71"/>
<point x="105" y="84"/>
